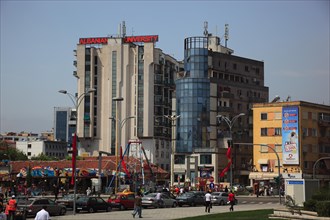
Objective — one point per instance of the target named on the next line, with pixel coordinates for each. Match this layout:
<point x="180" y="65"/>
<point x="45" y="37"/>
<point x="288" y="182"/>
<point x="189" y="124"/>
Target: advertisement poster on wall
<point x="290" y="132"/>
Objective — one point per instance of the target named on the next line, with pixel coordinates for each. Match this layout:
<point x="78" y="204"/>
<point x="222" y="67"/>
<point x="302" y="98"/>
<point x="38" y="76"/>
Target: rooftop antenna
<point x="288" y="98"/>
<point x="275" y="99"/>
<point x="206" y="33"/>
<point x="119" y="30"/>
<point x="226" y="34"/>
<point x="124" y="29"/>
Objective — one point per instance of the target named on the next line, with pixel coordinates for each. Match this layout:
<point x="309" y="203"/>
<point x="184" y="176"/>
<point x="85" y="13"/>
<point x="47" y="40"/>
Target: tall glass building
<point x="193" y="97"/>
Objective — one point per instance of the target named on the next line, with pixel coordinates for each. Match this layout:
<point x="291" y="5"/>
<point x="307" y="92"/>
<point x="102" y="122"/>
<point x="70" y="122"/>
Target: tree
<point x="10" y="153"/>
<point x="43" y="157"/>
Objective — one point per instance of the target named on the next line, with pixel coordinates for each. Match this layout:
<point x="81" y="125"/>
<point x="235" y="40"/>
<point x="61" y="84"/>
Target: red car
<point x="122" y="200"/>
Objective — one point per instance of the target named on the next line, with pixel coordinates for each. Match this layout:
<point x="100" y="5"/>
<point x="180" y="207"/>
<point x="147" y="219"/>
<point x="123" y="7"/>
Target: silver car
<point x="150" y="200"/>
<point x="220" y="198"/>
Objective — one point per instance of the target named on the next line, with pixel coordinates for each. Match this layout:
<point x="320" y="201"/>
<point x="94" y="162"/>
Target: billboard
<point x="290" y="132"/>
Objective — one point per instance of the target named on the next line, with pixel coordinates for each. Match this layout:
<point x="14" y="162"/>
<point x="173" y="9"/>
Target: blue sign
<point x="211" y="185"/>
<point x="293" y="182"/>
<point x="290" y="134"/>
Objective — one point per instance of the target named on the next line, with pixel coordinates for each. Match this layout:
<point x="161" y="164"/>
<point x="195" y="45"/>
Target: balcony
<point x="227" y="95"/>
<point x="225" y="109"/>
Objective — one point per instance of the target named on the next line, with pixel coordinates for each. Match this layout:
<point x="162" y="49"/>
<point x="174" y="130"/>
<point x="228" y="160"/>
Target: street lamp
<point x="173" y="118"/>
<point x="230" y="124"/>
<point x="76" y="102"/>
<point x="120" y="124"/>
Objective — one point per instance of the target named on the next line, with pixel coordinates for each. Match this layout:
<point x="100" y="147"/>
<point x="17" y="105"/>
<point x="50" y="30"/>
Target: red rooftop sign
<point x="145" y="39"/>
<point x="94" y="40"/>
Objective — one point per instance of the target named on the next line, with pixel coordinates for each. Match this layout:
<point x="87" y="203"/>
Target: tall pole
<point x="230" y="124"/>
<point x="117" y="99"/>
<point x="76" y="102"/>
<point x="172" y="118"/>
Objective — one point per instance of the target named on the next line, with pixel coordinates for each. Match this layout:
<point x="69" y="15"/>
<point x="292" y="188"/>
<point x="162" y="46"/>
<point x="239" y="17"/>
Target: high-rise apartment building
<point x="134" y="84"/>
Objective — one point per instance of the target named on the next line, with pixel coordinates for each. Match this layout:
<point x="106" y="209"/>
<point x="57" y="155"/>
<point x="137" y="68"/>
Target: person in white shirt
<point x="88" y="191"/>
<point x="159" y="199"/>
<point x="208" y="201"/>
<point x="42" y="214"/>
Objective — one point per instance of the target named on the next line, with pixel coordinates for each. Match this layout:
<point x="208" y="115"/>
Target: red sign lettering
<point x="145" y="39"/>
<point x="97" y="40"/>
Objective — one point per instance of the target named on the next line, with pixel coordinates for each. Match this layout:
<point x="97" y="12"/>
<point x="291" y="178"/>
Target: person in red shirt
<point x="11" y="208"/>
<point x="231" y="199"/>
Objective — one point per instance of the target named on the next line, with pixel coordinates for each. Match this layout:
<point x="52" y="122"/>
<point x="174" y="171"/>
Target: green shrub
<point x="322" y="195"/>
<point x="323" y="208"/>
<point x="310" y="205"/>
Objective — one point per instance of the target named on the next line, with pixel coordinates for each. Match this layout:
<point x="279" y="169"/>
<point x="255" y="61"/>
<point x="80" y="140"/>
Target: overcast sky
<point x="38" y="39"/>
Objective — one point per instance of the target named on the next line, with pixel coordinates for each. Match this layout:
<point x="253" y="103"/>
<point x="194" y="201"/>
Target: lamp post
<point x="279" y="169"/>
<point x="120" y="124"/>
<point x="230" y="124"/>
<point x="173" y="118"/>
<point x="76" y="100"/>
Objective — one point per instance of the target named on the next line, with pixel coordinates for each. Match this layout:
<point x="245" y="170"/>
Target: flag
<point x="74" y="157"/>
<point x="123" y="162"/>
<point x="225" y="170"/>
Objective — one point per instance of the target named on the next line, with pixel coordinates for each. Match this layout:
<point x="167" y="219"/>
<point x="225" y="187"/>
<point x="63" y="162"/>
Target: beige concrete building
<point x="299" y="133"/>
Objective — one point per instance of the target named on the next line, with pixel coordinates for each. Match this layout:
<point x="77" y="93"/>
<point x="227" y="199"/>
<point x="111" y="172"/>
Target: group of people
<point x="208" y="202"/>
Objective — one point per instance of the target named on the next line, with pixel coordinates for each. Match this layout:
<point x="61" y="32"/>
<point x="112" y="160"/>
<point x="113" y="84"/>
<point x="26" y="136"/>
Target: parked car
<point x="92" y="204"/>
<point x="67" y="199"/>
<point x="34" y="205"/>
<point x="151" y="201"/>
<point x="191" y="198"/>
<point x="220" y="198"/>
<point x="122" y="200"/>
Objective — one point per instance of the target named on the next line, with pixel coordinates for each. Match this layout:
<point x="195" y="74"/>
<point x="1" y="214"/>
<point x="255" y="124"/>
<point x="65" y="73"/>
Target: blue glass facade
<point x="193" y="97"/>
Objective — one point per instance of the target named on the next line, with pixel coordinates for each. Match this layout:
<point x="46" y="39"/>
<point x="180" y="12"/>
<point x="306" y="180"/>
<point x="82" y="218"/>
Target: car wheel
<point x="222" y="202"/>
<point x="63" y="211"/>
<point x="90" y="210"/>
<point x="236" y="201"/>
<point x="109" y="209"/>
<point x="121" y="207"/>
<point x="192" y="204"/>
<point x="77" y="211"/>
<point x="174" y="205"/>
<point x="180" y="205"/>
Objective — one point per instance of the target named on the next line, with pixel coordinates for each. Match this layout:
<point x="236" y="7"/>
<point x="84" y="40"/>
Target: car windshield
<point x="83" y="199"/>
<point x="215" y="194"/>
<point x="151" y="195"/>
<point x="68" y="196"/>
<point x="187" y="194"/>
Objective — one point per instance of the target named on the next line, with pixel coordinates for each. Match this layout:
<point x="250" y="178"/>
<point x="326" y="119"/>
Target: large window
<point x="278" y="131"/>
<point x="179" y="159"/>
<point x="206" y="159"/>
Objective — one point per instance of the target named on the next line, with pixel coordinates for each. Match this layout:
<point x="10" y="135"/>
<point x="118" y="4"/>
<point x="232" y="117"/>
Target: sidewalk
<point x="164" y="213"/>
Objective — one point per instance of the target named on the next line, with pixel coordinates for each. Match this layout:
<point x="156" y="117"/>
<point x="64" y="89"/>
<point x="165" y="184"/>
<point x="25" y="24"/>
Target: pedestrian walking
<point x="231" y="199"/>
<point x="88" y="191"/>
<point x="208" y="201"/>
<point x="159" y="199"/>
<point x="42" y="214"/>
<point x="137" y="205"/>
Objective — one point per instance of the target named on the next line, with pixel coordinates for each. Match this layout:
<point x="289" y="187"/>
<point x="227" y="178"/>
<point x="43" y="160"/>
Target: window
<point x="263" y="116"/>
<point x="206" y="159"/>
<point x="278" y="131"/>
<point x="264" y="148"/>
<point x="179" y="159"/>
<point x="234" y="66"/>
<point x="263" y="132"/>
<point x="246" y="69"/>
<point x="29" y="146"/>
<point x="277" y="115"/>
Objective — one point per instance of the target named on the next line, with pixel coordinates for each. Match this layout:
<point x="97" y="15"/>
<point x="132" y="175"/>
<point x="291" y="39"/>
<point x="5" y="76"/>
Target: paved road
<point x="166" y="213"/>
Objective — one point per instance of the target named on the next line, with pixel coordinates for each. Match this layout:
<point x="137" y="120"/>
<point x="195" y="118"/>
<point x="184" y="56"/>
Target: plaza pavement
<point x="166" y="213"/>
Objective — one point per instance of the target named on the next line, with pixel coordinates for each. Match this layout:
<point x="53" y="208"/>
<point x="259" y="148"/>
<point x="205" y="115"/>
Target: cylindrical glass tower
<point x="193" y="97"/>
